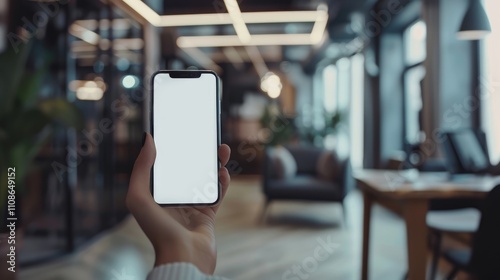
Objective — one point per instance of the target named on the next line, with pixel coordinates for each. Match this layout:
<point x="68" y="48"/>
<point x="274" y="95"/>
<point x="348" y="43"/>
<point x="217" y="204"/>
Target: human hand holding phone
<point x="178" y="234"/>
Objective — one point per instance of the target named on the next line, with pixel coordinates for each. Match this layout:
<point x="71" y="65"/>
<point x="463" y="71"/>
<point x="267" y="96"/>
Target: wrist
<point x="206" y="264"/>
<point x="172" y="254"/>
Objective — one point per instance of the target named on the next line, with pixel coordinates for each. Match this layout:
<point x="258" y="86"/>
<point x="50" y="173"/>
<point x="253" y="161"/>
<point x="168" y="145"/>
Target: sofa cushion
<point x="328" y="166"/>
<point x="284" y="164"/>
<point x="306" y="158"/>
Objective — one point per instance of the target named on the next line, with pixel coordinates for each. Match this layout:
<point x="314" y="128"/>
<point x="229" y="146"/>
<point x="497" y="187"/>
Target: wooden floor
<point x="297" y="241"/>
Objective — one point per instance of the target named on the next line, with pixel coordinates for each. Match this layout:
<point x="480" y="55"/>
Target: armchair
<point x="306" y="184"/>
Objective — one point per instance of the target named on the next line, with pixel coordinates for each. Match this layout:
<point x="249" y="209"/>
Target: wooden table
<point x="409" y="197"/>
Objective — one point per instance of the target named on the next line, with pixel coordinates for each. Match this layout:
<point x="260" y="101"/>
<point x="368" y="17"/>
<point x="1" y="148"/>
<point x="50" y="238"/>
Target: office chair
<point x="464" y="221"/>
<point x="482" y="259"/>
<point x="458" y="215"/>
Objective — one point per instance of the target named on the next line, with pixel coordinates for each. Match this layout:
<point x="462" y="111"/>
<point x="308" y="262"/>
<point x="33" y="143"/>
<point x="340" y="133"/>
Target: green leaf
<point x="29" y="88"/>
<point x="24" y="152"/>
<point x="62" y="111"/>
<point x="25" y="125"/>
<point x="11" y="72"/>
<point x="281" y="128"/>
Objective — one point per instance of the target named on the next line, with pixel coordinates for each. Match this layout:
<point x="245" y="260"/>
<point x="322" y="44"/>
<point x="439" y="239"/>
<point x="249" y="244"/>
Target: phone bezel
<point x="188" y="74"/>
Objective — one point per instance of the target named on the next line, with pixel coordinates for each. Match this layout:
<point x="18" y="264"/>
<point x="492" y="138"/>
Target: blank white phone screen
<point x="185" y="120"/>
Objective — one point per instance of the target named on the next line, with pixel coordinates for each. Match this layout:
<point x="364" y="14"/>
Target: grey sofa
<point x="306" y="185"/>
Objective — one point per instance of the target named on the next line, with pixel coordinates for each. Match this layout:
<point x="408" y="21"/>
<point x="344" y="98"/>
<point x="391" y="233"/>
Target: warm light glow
<point x="128" y="44"/>
<point x="239" y="24"/>
<point x="89" y="91"/>
<point x="249" y="18"/>
<point x="202" y="59"/>
<point x="280" y="16"/>
<point x="92" y="24"/>
<point x="90" y="84"/>
<point x="83" y="33"/>
<point x="194" y="20"/>
<point x="319" y="27"/>
<point x="208" y="41"/>
<point x="145" y="11"/>
<point x="93" y="39"/>
<point x="271" y="84"/>
<point x="274" y="92"/>
<point x="232" y="40"/>
<point x="240" y="21"/>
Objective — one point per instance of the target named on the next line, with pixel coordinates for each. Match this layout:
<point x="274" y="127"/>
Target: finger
<point x="139" y="189"/>
<point x="224" y="152"/>
<point x="139" y="199"/>
<point x="224" y="179"/>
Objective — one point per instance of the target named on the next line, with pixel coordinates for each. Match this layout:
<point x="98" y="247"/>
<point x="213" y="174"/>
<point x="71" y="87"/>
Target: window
<point x="414" y="40"/>
<point x="490" y="81"/>
<point x="343" y="85"/>
<point x="342" y="139"/>
<point x="415" y="52"/>
<point x="356" y="112"/>
<point x="330" y="88"/>
<point x="343" y="91"/>
<point x="413" y="103"/>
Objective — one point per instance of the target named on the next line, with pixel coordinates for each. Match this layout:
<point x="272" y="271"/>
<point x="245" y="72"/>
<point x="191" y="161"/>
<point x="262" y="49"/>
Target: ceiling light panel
<point x="233" y="40"/>
<point x="238" y="22"/>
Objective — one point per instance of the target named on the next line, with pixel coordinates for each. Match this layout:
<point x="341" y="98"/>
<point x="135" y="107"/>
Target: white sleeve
<point x="179" y="271"/>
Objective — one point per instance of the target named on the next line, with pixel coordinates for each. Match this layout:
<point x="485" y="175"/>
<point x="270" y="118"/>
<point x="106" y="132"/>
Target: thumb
<point x="139" y="187"/>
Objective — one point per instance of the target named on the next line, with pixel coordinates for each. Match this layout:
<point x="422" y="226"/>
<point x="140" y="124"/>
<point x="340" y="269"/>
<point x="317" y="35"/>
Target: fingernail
<point x="143" y="138"/>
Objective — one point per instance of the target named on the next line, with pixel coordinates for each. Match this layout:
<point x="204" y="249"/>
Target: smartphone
<point x="185" y="125"/>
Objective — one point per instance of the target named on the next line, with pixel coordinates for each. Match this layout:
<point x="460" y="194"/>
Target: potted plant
<point x="26" y="125"/>
<point x="277" y="129"/>
<point x="332" y="124"/>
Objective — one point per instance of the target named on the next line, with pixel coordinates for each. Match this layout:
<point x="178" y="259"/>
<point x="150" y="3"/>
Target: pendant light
<point x="475" y="24"/>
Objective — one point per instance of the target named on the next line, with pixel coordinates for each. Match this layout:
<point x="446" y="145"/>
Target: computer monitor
<point x="466" y="152"/>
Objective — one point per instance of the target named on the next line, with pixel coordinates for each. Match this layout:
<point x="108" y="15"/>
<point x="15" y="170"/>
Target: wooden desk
<point x="410" y="199"/>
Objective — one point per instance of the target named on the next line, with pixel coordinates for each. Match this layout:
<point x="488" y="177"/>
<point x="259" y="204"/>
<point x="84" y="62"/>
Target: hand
<point x="177" y="234"/>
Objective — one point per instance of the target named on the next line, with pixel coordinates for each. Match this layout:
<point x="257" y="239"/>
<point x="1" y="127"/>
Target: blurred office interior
<point x="323" y="90"/>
